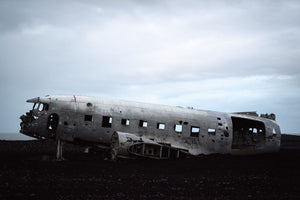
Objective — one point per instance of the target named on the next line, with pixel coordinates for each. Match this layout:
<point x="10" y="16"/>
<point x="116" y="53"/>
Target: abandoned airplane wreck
<point x="132" y="129"/>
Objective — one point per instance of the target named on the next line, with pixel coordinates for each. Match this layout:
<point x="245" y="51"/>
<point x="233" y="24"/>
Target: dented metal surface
<point x="131" y="129"/>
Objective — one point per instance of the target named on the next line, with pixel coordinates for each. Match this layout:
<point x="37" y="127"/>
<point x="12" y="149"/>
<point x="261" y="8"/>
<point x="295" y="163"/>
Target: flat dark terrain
<point x="28" y="171"/>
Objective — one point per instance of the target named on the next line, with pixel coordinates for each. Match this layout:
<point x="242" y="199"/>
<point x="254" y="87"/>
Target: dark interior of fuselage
<point x="247" y="133"/>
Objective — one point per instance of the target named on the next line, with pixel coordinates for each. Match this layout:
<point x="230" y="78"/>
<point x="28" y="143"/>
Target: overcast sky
<point x="213" y="55"/>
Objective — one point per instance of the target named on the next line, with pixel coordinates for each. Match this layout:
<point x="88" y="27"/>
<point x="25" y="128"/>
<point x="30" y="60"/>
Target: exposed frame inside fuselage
<point x="248" y="133"/>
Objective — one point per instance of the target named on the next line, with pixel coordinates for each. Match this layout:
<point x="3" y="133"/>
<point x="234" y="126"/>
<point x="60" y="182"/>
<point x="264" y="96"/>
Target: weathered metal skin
<point x="132" y="129"/>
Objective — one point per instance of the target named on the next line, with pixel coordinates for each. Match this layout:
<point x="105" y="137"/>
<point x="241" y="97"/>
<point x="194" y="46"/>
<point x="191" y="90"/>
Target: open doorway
<point x="52" y="124"/>
<point x="247" y="133"/>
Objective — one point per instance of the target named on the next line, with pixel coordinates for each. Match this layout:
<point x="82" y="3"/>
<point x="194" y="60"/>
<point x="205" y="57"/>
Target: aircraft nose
<point x="25" y="123"/>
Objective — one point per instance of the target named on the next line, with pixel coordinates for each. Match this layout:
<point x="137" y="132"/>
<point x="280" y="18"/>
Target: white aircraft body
<point x="132" y="129"/>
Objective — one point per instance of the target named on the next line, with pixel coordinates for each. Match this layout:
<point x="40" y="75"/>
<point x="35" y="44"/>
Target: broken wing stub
<point x="126" y="145"/>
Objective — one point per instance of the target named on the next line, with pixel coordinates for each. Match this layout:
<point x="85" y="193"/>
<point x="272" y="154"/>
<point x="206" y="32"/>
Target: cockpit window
<point x="46" y="106"/>
<point x="35" y="106"/>
<point x="41" y="106"/>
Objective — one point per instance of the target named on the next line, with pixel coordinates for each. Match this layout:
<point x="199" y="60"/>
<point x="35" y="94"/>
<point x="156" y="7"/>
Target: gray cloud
<point x="225" y="55"/>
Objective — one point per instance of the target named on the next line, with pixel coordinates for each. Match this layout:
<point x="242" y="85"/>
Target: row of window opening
<point x="107" y="122"/>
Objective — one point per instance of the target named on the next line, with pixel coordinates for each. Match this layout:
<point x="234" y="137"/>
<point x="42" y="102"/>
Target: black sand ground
<point x="27" y="171"/>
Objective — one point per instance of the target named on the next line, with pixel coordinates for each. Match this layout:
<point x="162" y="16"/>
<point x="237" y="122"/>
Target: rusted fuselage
<point x="132" y="129"/>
